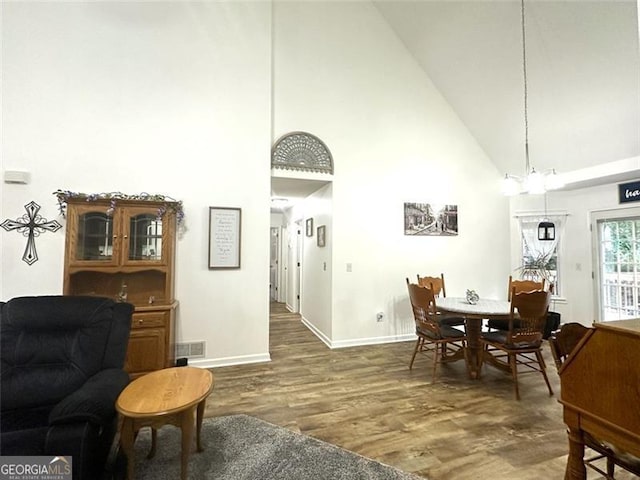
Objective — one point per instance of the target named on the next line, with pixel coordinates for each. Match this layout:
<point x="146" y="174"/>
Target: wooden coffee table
<point x="165" y="397"/>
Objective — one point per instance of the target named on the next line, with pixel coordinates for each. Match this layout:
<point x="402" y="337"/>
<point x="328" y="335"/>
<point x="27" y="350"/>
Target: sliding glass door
<point x="617" y="241"/>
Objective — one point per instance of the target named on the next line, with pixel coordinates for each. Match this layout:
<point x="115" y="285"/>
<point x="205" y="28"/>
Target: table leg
<point x="186" y="425"/>
<point x="126" y="441"/>
<point x="199" y="417"/>
<point x="473" y="328"/>
<point x="112" y="458"/>
<point x="154" y="437"/>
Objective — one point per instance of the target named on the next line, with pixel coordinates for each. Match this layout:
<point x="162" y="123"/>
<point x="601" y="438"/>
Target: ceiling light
<point x="533" y="182"/>
<point x="279" y="202"/>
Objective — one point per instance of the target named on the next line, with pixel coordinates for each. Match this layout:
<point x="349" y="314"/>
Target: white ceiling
<point x="293" y="189"/>
<point x="583" y="70"/>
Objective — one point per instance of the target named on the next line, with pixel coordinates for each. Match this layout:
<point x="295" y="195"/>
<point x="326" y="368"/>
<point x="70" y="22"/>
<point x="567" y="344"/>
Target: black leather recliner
<point x="61" y="373"/>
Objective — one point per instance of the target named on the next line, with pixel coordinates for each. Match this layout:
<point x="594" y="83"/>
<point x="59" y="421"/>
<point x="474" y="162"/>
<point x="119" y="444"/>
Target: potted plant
<point x="538" y="266"/>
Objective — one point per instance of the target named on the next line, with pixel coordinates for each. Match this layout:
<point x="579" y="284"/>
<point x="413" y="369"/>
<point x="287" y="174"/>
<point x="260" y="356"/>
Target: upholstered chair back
<point x="50" y="345"/>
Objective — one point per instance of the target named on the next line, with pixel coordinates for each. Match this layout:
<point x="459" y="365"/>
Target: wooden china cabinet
<point x="126" y="251"/>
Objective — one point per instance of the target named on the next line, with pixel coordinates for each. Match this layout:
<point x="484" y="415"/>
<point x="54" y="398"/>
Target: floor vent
<point x="190" y="350"/>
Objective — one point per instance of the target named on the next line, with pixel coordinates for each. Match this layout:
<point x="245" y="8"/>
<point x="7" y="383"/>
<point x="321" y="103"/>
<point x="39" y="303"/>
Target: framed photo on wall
<point x="322" y="235"/>
<point x="309" y="227"/>
<point x="224" y="237"/>
<point x="430" y="219"/>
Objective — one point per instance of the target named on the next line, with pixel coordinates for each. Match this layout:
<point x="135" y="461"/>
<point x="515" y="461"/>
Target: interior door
<point x="273" y="265"/>
<point x="283" y="266"/>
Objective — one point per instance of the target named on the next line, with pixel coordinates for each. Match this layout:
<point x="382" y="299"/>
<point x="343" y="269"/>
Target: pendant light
<point x="533" y="182"/>
<point x="546" y="228"/>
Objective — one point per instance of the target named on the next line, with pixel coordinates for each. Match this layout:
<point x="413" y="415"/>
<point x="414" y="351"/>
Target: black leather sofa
<point x="61" y="373"/>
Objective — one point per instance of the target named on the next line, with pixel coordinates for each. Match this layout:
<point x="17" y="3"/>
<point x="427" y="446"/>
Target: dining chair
<point x="518" y="349"/>
<point x="563" y="342"/>
<point x="524" y="286"/>
<point x="434" y="337"/>
<point x="519" y="286"/>
<point x="437" y="285"/>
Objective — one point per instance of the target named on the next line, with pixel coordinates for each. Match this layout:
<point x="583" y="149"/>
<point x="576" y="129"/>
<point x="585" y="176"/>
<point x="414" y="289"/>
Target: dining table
<point x="474" y="314"/>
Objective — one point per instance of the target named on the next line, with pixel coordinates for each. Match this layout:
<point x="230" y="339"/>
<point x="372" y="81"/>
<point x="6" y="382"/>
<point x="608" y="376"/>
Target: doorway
<point x="616" y="240"/>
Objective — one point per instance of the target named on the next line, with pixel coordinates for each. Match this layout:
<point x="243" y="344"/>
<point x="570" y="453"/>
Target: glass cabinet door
<point x="94" y="240"/>
<point x="145" y="237"/>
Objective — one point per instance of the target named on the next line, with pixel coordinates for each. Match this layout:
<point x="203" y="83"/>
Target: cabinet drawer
<point x="150" y="319"/>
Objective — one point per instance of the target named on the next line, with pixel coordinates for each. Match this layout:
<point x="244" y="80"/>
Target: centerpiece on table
<point x="472" y="297"/>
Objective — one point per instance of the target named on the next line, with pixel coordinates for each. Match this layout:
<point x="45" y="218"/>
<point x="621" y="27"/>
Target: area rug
<point x="240" y="447"/>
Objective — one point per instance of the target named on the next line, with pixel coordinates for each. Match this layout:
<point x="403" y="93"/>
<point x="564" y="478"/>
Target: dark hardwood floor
<point x="366" y="400"/>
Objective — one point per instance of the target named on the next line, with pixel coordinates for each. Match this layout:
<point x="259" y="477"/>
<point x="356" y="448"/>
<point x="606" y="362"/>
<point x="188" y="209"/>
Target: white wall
<point x="177" y="98"/>
<point x="317" y="265"/>
<point x="157" y="97"/>
<point x="576" y="258"/>
<point x="340" y="73"/>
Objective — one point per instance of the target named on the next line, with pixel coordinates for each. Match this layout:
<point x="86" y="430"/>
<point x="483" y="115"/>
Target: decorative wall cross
<point x="31" y="225"/>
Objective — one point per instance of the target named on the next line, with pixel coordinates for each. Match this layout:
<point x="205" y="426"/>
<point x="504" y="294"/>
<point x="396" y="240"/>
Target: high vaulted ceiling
<point x="583" y="78"/>
<point x="583" y="70"/>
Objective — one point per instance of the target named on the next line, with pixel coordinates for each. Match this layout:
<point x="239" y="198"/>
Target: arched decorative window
<point x="301" y="151"/>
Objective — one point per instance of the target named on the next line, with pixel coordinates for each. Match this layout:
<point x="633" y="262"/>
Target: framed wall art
<point x="224" y="237"/>
<point x="322" y="236"/>
<point x="309" y="227"/>
<point x="430" y="219"/>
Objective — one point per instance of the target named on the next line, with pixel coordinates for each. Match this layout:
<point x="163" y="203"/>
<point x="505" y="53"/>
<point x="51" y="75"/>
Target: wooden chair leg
<point x="514" y="373"/>
<point x="610" y="467"/>
<point x="415" y="351"/>
<point x="543" y="370"/>
<point x="438" y="348"/>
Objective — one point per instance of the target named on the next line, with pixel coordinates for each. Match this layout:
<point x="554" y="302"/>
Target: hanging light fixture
<point x="546" y="228"/>
<point x="534" y="182"/>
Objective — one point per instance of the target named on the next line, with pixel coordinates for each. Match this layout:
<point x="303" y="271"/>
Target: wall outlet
<point x="379" y="316"/>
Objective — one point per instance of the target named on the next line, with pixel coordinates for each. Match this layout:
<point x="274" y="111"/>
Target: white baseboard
<point x="357" y="342"/>
<point x="265" y="357"/>
<point x="326" y="340"/>
<point x="228" y="361"/>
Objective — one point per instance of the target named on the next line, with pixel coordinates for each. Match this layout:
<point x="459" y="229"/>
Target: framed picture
<point x="224" y="237"/>
<point x="322" y="235"/>
<point x="430" y="219"/>
<point x="309" y="225"/>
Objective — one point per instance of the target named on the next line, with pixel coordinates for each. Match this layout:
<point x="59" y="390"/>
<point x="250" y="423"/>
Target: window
<point x="540" y="258"/>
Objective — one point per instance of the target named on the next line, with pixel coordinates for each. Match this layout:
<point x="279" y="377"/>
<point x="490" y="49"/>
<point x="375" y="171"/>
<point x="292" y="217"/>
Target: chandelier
<point x="533" y="181"/>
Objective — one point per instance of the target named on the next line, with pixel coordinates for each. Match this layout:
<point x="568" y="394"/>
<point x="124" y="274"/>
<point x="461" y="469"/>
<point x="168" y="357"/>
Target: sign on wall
<point x="224" y="237"/>
<point x="629" y="192"/>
